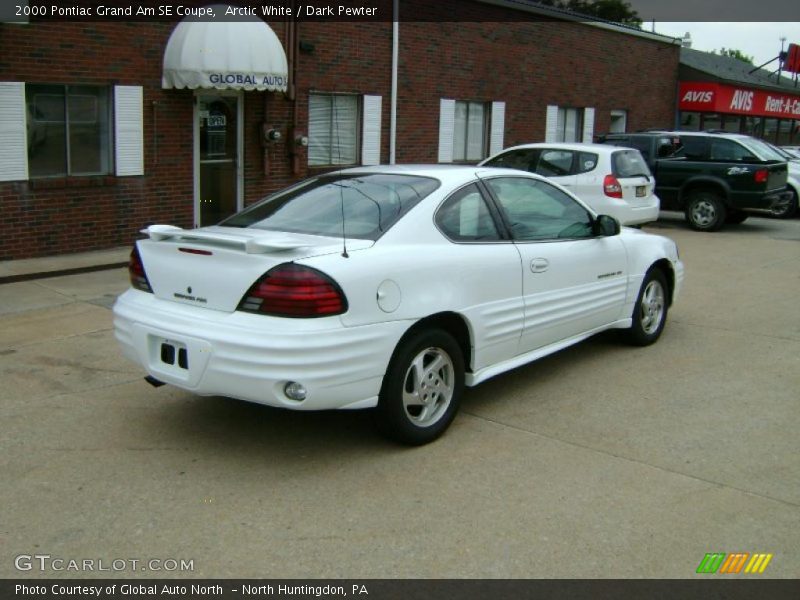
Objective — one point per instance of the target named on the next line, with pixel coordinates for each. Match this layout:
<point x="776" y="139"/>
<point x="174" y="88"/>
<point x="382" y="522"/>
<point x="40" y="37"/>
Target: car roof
<point x="602" y="148"/>
<point x="450" y="174"/>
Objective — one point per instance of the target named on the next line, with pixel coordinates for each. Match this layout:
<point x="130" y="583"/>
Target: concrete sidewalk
<point x="12" y="271"/>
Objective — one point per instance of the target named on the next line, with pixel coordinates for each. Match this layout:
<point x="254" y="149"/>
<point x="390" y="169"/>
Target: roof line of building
<point x="566" y="15"/>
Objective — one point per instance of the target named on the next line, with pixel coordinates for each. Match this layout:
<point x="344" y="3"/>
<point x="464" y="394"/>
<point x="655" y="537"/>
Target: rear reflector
<point x="291" y="290"/>
<point x="612" y="187"/>
<point x="136" y="272"/>
<point x="761" y="175"/>
<point x="196" y="251"/>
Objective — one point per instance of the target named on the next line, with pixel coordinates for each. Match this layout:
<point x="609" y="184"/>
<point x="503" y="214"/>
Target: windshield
<point x="369" y="204"/>
<point x="761" y="149"/>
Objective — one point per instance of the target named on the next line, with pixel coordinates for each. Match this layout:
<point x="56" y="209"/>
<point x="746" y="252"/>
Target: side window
<point x="587" y="161"/>
<point x="464" y="217"/>
<point x="727" y="150"/>
<point x="694" y="147"/>
<point x="537" y="210"/>
<point x="516" y="159"/>
<point x="555" y="163"/>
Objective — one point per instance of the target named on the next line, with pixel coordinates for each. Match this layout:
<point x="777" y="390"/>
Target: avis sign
<point x="716" y="97"/>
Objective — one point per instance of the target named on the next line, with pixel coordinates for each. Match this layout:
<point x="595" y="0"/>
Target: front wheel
<point x="650" y="311"/>
<point x="422" y="388"/>
<point x="705" y="211"/>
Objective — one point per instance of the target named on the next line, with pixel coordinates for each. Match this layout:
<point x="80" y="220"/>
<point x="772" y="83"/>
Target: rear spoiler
<point x="257" y="244"/>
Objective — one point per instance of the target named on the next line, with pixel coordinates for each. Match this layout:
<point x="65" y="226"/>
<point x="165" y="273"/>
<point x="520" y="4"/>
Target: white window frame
<point x="127" y="124"/>
<point x="492" y="136"/>
<point x="354" y="134"/>
<point x="557" y="124"/>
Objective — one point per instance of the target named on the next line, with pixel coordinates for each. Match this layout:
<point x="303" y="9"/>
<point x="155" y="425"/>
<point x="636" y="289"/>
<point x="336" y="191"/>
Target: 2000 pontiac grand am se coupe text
<point x="388" y="288"/>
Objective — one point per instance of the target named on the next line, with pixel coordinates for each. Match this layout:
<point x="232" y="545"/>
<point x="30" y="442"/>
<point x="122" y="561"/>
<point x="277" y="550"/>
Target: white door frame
<point x="239" y="147"/>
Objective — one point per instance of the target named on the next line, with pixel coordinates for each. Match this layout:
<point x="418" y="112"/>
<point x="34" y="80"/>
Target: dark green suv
<point x="712" y="177"/>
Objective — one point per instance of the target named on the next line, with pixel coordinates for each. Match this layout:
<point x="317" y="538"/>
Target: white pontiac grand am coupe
<point x="388" y="288"/>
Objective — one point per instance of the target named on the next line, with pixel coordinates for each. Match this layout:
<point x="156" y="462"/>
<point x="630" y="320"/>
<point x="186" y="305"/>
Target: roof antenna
<point x="341" y="187"/>
<point x="344" y="237"/>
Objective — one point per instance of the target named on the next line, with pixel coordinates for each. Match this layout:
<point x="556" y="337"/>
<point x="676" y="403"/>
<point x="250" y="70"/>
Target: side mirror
<point x="605" y="226"/>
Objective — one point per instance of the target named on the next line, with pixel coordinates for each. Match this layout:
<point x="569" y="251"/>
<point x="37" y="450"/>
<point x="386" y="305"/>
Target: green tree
<point x="734" y="53"/>
<point x="617" y="11"/>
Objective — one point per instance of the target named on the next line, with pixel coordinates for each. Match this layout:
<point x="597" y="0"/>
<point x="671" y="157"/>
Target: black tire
<point x="439" y="390"/>
<point x="705" y="210"/>
<point x="735" y="217"/>
<point x="650" y="311"/>
<point x="786" y="210"/>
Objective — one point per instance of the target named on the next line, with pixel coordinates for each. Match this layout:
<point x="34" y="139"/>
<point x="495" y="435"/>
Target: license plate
<point x="641" y="191"/>
<point x="174" y="354"/>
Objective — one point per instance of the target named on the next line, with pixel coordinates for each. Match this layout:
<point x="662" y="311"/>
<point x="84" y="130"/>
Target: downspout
<point x="395" y="55"/>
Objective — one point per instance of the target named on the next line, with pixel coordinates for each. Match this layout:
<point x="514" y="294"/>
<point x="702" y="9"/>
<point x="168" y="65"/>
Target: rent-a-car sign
<point x="716" y="97"/>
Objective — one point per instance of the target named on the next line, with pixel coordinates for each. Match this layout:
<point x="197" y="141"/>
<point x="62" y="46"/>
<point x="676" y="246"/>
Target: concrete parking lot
<point x="601" y="461"/>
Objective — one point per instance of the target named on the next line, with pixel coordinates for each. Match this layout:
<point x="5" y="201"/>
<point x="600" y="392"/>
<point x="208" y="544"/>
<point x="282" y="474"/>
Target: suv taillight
<point x="291" y="290"/>
<point x="761" y="175"/>
<point x="136" y="272"/>
<point x="611" y="187"/>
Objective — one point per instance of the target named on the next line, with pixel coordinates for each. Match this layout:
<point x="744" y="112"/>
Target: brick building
<point x="98" y="139"/>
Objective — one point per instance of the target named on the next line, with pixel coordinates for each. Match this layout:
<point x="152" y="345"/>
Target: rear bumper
<point x="627" y="213"/>
<point x="765" y="201"/>
<point x="252" y="357"/>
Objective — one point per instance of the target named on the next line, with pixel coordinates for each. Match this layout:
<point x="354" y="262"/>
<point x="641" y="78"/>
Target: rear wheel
<point x="705" y="210"/>
<point x="650" y="311"/>
<point x="785" y="209"/>
<point x="422" y="388"/>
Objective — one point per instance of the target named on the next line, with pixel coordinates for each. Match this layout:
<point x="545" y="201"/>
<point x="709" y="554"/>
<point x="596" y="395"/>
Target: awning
<point x="224" y="55"/>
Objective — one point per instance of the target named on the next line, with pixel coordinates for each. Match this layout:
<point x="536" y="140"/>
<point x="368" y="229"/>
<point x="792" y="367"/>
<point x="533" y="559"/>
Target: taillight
<point x="611" y="187"/>
<point x="291" y="290"/>
<point x="136" y="272"/>
<point x="761" y="175"/>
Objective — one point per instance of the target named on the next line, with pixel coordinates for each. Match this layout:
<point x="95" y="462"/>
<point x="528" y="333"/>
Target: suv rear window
<point x="370" y="203"/>
<point x="629" y="163"/>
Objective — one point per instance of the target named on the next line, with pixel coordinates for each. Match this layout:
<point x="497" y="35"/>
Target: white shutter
<point x="497" y="127"/>
<point x="588" y="125"/>
<point x="551" y="124"/>
<point x="13" y="132"/>
<point x="447" y="115"/>
<point x="371" y="131"/>
<point x="128" y="130"/>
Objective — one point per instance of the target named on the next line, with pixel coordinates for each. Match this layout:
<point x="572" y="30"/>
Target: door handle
<point x="539" y="265"/>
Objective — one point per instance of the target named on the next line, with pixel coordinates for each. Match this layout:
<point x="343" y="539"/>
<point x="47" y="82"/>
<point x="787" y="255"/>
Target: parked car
<point x="792" y="183"/>
<point x="793" y="150"/>
<point x="389" y="288"/>
<point x="612" y="181"/>
<point x="712" y="177"/>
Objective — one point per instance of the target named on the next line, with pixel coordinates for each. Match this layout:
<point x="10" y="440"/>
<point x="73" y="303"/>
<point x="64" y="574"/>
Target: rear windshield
<point x="629" y="163"/>
<point x="368" y="204"/>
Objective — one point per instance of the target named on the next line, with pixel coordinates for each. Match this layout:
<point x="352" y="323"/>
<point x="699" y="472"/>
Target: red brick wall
<point x="527" y="65"/>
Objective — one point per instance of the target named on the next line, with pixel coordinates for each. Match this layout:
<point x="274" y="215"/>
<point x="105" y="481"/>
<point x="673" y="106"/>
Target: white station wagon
<point x="388" y="288"/>
<point x="611" y="180"/>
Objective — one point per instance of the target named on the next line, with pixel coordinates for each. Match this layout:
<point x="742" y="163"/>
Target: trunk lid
<point x="213" y="267"/>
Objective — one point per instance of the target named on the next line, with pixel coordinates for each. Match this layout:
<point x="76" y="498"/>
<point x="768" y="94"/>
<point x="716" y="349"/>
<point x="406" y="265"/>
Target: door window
<point x="536" y="210"/>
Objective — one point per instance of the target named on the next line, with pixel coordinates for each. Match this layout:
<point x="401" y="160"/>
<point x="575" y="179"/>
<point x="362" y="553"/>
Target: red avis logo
<point x="695" y="96"/>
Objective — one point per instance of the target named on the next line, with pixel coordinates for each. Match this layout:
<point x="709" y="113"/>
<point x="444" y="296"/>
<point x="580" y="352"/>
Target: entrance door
<point x="218" y="127"/>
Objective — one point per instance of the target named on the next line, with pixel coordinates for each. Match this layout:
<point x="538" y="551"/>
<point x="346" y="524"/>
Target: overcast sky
<point x="759" y="40"/>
